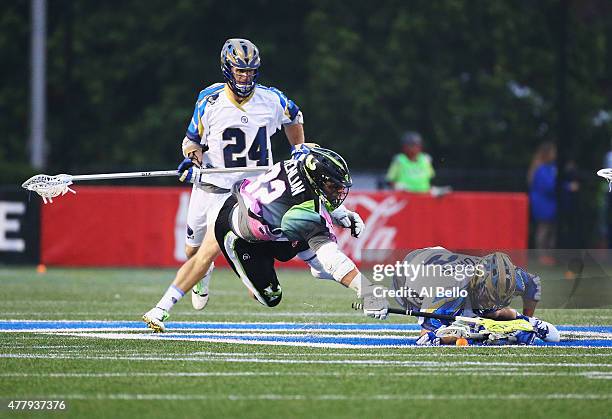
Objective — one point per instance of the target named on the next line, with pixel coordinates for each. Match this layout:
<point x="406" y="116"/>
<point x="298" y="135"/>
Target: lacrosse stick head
<point x="505" y="327"/>
<point x="48" y="187"/>
<point x="455" y="330"/>
<point x="607" y="175"/>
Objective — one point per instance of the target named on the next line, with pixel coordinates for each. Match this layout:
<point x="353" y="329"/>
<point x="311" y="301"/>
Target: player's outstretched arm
<point x="344" y="271"/>
<point x="529" y="306"/>
<point x="294" y="133"/>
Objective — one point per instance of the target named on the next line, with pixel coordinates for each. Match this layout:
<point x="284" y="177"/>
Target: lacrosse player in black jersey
<point x="287" y="211"/>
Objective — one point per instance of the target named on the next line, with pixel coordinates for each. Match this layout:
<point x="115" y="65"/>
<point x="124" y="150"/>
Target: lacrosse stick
<point x="607" y="175"/>
<point x="493" y="326"/>
<point x="49" y="187"/>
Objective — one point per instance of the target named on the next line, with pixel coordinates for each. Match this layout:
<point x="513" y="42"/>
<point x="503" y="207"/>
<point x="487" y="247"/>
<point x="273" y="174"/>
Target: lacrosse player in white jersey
<point x="443" y="282"/>
<point x="231" y="127"/>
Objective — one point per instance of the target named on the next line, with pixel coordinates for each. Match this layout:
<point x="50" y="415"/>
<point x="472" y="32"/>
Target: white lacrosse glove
<point x="456" y="330"/>
<point x="348" y="219"/>
<point x="543" y="330"/>
<point x="376" y="307"/>
<point x="428" y="339"/>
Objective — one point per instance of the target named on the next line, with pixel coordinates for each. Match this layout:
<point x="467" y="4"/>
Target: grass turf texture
<point x="128" y="378"/>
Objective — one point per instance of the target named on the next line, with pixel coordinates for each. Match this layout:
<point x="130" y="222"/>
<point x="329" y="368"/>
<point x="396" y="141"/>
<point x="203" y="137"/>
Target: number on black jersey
<point x="267" y="187"/>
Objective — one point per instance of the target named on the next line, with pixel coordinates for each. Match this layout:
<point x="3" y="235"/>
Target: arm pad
<point x="334" y="261"/>
<point x="316" y="267"/>
<point x="299" y="119"/>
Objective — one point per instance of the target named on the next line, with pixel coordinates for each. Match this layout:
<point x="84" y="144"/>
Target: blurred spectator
<point x="542" y="179"/>
<point x="411" y="170"/>
<point x="606" y="205"/>
<point x="570" y="230"/>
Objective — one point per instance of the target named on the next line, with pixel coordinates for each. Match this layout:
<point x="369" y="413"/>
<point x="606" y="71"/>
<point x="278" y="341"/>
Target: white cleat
<point x="199" y="296"/>
<point x="199" y="293"/>
<point x="544" y="330"/>
<point x="155" y="318"/>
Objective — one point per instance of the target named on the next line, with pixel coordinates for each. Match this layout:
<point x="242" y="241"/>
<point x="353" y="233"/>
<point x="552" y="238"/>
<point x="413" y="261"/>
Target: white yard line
<point x="369" y="362"/>
<point x="135" y="316"/>
<point x="322" y="397"/>
<point x="424" y="373"/>
<point x="237" y="338"/>
<point x="459" y="353"/>
<point x="586" y="334"/>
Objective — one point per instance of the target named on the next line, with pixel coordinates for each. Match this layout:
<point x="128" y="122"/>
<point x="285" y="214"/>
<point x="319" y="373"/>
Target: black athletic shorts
<point x="253" y="262"/>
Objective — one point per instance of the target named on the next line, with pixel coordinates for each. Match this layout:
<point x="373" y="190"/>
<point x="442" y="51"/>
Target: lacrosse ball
<point x="461" y="342"/>
<point x="41" y="269"/>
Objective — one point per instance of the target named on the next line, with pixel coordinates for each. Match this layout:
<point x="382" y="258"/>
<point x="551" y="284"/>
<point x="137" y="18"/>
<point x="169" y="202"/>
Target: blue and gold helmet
<point x="328" y="175"/>
<point x="242" y="54"/>
<point x="495" y="285"/>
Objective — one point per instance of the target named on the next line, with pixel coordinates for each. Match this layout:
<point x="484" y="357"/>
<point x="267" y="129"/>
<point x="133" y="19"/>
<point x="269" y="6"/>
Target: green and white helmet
<point x="328" y="175"/>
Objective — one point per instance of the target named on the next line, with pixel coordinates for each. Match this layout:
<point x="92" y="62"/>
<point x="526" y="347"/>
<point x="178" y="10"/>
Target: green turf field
<point x="102" y="377"/>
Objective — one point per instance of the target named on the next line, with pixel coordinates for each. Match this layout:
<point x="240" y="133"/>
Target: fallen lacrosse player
<point x="522" y="330"/>
<point x="479" y="331"/>
<point x="459" y="297"/>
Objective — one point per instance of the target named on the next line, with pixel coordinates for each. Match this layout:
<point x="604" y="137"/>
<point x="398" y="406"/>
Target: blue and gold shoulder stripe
<point x="206" y="96"/>
<point x="290" y="108"/>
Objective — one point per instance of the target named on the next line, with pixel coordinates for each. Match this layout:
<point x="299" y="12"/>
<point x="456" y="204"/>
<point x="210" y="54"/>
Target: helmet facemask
<point x="328" y="175"/>
<point x="240" y="54"/>
<point x="335" y="192"/>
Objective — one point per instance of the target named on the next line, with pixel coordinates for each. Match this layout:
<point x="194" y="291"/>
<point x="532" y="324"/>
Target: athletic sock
<point x="170" y="298"/>
<point x="207" y="276"/>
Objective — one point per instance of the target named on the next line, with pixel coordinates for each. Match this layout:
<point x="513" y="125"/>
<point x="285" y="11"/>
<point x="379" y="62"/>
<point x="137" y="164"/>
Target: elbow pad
<point x="334" y="261"/>
<point x="528" y="285"/>
<point x="316" y="267"/>
<point x="189" y="146"/>
<point x="298" y="119"/>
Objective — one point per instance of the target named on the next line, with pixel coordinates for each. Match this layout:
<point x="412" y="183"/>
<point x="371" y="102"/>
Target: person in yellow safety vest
<point x="411" y="170"/>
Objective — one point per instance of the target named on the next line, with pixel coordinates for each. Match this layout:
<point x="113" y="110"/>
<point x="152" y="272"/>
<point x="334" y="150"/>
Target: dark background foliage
<point x="484" y="81"/>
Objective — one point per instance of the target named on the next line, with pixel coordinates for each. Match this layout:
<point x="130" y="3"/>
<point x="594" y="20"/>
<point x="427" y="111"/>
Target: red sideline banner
<point x="141" y="226"/>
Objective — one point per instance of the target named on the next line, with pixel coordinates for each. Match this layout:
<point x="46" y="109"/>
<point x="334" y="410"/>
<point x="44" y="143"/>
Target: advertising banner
<point x="140" y="226"/>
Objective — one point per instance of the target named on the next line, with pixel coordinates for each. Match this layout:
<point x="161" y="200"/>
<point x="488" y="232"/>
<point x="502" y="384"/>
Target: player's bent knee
<point x="206" y="255"/>
<point x="190" y="251"/>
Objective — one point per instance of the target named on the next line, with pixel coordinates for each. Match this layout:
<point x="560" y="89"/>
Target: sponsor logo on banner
<point x="19" y="227"/>
<point x="179" y="227"/>
<point x="376" y="212"/>
<point x="10" y="224"/>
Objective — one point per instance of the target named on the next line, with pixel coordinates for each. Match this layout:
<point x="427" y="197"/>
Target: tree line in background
<point x="479" y="79"/>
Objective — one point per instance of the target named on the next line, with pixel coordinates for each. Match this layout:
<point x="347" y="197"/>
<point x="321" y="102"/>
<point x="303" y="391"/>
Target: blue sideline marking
<point x="340" y="340"/>
<point x="353" y="341"/>
<point x="27" y="325"/>
<point x="236" y="328"/>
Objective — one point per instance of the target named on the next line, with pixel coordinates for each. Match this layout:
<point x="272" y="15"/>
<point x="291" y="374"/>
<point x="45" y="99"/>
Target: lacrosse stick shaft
<point x="416" y="313"/>
<point x="163" y="173"/>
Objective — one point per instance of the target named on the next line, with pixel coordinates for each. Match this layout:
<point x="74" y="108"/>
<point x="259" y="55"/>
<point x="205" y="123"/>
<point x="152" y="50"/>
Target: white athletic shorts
<point x="203" y="209"/>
